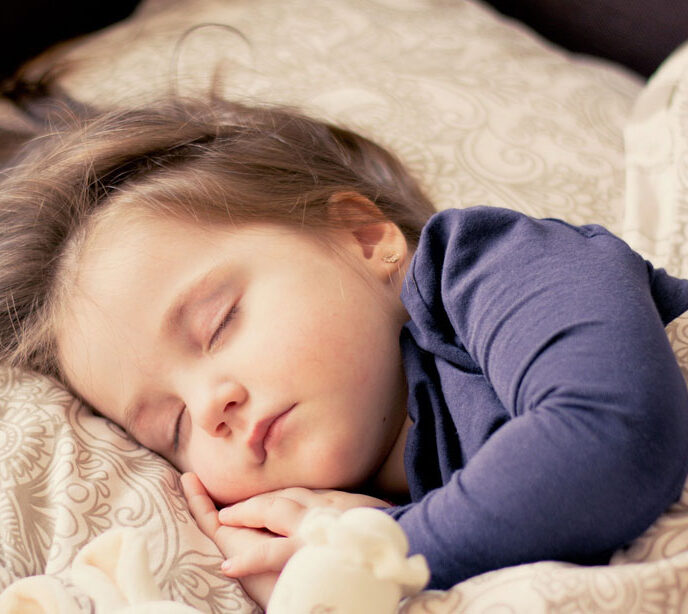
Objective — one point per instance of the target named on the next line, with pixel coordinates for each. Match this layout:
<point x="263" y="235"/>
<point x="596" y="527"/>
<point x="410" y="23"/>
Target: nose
<point x="219" y="412"/>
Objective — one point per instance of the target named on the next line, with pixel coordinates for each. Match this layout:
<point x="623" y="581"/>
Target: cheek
<point x="346" y="457"/>
<point x="220" y="479"/>
<point x="296" y="338"/>
<point x="221" y="470"/>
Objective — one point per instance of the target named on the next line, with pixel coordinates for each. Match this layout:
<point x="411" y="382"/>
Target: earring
<point x="391" y="258"/>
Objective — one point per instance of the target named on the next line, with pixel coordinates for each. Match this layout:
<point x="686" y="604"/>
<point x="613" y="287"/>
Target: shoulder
<point x="470" y="218"/>
<point x="479" y="226"/>
<point x="470" y="227"/>
<point x="484" y="228"/>
<point x="500" y="248"/>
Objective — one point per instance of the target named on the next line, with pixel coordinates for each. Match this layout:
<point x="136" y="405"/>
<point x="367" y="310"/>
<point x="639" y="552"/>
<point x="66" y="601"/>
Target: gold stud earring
<point x="391" y="258"/>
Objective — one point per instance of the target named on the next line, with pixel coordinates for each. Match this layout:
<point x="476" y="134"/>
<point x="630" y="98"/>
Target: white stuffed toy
<point x="353" y="562"/>
<point x="113" y="570"/>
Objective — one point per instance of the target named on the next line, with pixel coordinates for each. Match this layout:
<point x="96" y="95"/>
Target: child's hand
<point x="280" y="512"/>
<point x="230" y="540"/>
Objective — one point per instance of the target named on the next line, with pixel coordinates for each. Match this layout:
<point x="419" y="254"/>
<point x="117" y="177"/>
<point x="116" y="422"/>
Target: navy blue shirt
<point x="550" y="417"/>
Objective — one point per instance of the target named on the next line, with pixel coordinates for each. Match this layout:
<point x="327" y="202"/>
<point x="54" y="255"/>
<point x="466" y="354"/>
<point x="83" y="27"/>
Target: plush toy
<point x="352" y="563"/>
<point x="113" y="570"/>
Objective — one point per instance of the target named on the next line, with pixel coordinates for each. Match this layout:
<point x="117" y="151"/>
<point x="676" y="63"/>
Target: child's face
<point x="301" y="385"/>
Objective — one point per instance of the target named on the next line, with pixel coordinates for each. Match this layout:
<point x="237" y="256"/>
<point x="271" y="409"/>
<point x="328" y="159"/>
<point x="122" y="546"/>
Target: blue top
<point x="550" y="418"/>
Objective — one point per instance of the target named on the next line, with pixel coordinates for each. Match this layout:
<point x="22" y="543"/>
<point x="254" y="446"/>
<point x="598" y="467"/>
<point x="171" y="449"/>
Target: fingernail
<point x="226" y="565"/>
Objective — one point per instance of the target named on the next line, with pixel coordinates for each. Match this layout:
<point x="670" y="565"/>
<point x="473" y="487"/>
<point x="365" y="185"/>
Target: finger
<point x="304" y="496"/>
<point x="278" y="514"/>
<point x="268" y="556"/>
<point x="326" y="497"/>
<point x="344" y="500"/>
<point x="201" y="505"/>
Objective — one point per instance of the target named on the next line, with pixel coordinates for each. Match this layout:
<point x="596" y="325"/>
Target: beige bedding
<point x="484" y="113"/>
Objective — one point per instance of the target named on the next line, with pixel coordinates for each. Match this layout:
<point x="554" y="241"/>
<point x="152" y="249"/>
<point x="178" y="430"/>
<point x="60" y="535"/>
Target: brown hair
<point x="211" y="162"/>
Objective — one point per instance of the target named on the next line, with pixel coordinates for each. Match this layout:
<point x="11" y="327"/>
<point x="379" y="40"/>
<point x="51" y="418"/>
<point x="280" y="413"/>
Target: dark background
<point x="636" y="33"/>
<point x="28" y="27"/>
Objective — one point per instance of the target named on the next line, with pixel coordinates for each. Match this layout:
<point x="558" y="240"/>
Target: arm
<point x="563" y="326"/>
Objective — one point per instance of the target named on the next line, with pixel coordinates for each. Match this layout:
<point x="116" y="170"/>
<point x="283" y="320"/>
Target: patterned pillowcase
<point x="67" y="475"/>
<point x="481" y="110"/>
<point x="656" y="136"/>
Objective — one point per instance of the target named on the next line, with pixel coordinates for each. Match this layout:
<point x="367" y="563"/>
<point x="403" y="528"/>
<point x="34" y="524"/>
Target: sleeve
<point x="563" y="325"/>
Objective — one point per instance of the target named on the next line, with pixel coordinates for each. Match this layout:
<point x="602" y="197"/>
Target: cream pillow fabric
<point x="482" y="111"/>
<point x="656" y="213"/>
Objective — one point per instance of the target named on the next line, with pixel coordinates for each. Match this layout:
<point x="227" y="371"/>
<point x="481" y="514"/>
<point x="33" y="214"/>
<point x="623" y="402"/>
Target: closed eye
<point x="229" y="316"/>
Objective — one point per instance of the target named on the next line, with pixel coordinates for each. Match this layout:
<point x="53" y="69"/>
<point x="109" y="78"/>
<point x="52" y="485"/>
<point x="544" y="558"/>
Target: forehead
<point x="136" y="237"/>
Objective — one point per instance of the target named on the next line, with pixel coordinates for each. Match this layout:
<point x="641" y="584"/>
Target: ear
<point x="371" y="237"/>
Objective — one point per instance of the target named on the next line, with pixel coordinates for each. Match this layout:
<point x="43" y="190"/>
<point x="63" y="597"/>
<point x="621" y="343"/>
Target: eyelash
<point x="225" y="321"/>
<point x="177" y="429"/>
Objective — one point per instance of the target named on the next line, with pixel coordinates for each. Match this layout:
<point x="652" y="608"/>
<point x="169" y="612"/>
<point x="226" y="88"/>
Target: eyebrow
<point x="172" y="319"/>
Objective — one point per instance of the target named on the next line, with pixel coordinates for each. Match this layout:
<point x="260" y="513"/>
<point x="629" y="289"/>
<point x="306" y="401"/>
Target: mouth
<point x="266" y="433"/>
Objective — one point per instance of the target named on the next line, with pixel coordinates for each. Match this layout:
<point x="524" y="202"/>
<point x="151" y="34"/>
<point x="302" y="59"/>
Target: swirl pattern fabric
<point x="484" y="112"/>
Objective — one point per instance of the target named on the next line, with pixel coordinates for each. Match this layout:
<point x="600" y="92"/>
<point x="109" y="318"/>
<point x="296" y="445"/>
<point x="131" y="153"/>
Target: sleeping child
<point x="271" y="303"/>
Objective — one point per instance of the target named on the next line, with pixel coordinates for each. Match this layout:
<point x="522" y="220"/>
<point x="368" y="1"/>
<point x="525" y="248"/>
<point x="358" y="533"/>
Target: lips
<point x="264" y="432"/>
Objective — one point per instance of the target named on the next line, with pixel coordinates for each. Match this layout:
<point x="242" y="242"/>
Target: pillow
<point x="482" y="110"/>
<point x="656" y="137"/>
<point x="67" y="475"/>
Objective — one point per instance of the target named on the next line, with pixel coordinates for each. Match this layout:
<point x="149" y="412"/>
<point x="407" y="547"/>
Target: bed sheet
<point x="483" y="112"/>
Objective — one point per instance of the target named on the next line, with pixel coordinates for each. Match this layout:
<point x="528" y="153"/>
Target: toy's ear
<point x="113" y="568"/>
<point x="373" y="238"/>
<point x="38" y="595"/>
